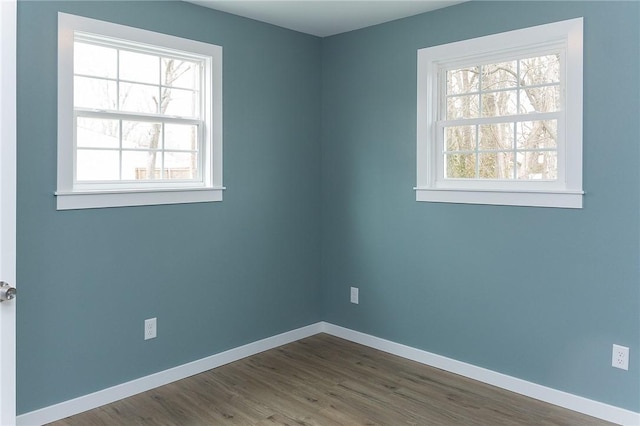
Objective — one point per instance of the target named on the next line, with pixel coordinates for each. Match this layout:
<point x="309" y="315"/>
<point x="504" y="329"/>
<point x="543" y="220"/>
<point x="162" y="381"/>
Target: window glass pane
<point x="540" y="99"/>
<point x="140" y="165"/>
<point x="462" y="107"/>
<point x="538" y="165"/>
<point x="180" y="165"/>
<point x="460" y="166"/>
<point x="141" y="135"/>
<point x="179" y="136"/>
<point x="179" y="102"/>
<point x="537" y="134"/>
<point x="460" y="138"/>
<point x="139" y="67"/>
<point x="179" y="73"/>
<point x="496" y="136"/>
<point x="463" y="80"/>
<point x="98" y="61"/>
<point x="139" y="98"/>
<point x="97" y="133"/>
<point x="499" y="76"/>
<point x="496" y="165"/>
<point x="94" y="93"/>
<point x="97" y="165"/>
<point x="496" y="104"/>
<point x="540" y="70"/>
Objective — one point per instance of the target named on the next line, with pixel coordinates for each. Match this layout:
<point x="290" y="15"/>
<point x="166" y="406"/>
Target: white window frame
<point x="566" y="191"/>
<point x="76" y="195"/>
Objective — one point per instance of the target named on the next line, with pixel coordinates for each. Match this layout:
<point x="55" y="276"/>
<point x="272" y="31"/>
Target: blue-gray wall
<point x="216" y="275"/>
<point x="319" y="143"/>
<point x="539" y="294"/>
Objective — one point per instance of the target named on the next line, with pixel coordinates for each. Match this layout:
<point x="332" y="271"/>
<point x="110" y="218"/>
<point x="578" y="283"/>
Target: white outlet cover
<point x="354" y="295"/>
<point x="620" y="357"/>
<point x="150" y="328"/>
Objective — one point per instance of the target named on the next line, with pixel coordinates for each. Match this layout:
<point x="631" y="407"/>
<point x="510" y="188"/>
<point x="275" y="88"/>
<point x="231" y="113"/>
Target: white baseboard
<point x="563" y="399"/>
<point x="124" y="390"/>
<point x="115" y="393"/>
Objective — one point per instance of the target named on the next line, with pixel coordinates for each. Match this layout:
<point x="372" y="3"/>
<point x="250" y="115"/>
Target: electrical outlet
<point x="354" y="295"/>
<point x="620" y="357"/>
<point x="150" y="328"/>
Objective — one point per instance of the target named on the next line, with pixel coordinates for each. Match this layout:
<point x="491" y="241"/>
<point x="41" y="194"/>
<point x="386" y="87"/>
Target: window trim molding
<point x="72" y="196"/>
<point x="566" y="193"/>
<point x="135" y="197"/>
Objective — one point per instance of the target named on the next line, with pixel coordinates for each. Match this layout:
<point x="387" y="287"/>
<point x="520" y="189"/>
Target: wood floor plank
<point x="327" y="381"/>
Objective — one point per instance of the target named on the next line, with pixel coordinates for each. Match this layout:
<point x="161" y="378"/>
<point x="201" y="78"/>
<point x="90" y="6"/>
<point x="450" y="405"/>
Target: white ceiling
<point x="328" y="17"/>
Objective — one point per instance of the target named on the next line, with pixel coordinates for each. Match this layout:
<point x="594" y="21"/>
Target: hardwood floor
<point x="324" y="380"/>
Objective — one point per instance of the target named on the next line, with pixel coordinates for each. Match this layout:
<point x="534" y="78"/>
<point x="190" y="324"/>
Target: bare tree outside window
<point x="139" y="144"/>
<point x="508" y="145"/>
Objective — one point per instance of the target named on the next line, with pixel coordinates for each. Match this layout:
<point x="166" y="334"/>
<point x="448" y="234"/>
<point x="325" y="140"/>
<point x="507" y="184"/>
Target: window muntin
<point x="481" y="140"/>
<point x="128" y="136"/>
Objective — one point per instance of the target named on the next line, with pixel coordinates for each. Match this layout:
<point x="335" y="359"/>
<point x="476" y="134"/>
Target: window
<point x="500" y="119"/>
<point x="139" y="117"/>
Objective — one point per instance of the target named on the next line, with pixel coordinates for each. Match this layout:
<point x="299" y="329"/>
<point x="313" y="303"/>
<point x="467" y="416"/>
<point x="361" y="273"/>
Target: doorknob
<point x="6" y="291"/>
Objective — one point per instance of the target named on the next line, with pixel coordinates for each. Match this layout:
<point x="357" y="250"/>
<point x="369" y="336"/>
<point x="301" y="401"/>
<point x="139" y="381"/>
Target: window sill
<point x="145" y="197"/>
<point x="557" y="199"/>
